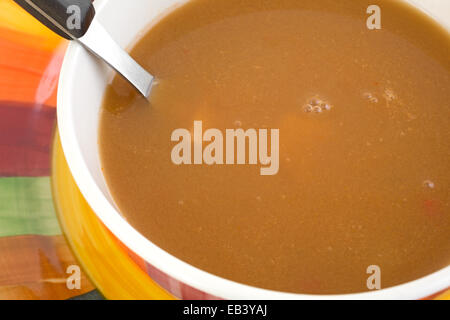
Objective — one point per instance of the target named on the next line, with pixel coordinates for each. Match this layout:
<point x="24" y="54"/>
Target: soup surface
<point x="364" y="142"/>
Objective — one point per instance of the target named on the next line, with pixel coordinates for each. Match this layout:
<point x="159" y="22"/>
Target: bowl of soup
<point x="289" y="149"/>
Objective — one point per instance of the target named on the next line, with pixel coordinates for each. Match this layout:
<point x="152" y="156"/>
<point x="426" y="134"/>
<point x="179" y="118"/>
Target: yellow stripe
<point x="13" y="17"/>
<point x="109" y="267"/>
<point x="444" y="296"/>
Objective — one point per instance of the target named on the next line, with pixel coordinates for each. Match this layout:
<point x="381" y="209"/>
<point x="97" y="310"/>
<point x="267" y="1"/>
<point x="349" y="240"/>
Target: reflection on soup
<point x="364" y="142"/>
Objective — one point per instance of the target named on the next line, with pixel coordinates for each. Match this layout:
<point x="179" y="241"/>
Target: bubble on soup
<point x="429" y="184"/>
<point x="370" y="97"/>
<point x="389" y="95"/>
<point x="317" y="109"/>
<point x="317" y="105"/>
<point x="308" y="108"/>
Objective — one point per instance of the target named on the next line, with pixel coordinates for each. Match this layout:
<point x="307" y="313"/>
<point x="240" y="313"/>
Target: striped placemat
<point x="34" y="256"/>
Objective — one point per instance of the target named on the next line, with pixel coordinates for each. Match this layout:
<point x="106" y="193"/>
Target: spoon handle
<point x="73" y="20"/>
<point x="68" y="18"/>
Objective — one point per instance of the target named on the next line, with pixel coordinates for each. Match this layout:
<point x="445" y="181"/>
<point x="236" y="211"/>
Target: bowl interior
<point x="92" y="77"/>
<point x="81" y="89"/>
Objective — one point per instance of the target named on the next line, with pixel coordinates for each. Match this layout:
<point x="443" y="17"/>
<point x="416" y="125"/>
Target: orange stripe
<point x="18" y="56"/>
<point x="35" y="267"/>
<point x="21" y="70"/>
<point x="36" y="42"/>
<point x="39" y="291"/>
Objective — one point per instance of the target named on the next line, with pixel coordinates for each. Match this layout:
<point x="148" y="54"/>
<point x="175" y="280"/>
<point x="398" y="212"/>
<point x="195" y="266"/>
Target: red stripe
<point x="25" y="139"/>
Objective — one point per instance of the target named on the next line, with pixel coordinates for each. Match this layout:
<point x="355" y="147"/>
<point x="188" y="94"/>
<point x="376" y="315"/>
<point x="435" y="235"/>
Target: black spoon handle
<point x="68" y="18"/>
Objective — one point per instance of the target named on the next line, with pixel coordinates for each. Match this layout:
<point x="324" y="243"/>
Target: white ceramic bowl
<point x="81" y="88"/>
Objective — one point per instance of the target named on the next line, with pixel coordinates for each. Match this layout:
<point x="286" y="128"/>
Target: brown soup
<point x="364" y="142"/>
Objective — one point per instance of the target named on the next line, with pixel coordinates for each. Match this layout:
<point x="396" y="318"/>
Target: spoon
<point x="74" y="20"/>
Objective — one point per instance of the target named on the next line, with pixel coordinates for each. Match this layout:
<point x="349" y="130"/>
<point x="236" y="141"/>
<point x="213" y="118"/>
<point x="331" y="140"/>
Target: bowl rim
<point x="169" y="264"/>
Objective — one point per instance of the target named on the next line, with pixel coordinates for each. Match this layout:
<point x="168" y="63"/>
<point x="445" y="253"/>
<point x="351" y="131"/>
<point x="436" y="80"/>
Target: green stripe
<point x="26" y="207"/>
